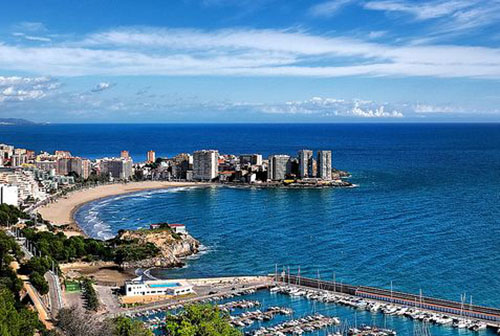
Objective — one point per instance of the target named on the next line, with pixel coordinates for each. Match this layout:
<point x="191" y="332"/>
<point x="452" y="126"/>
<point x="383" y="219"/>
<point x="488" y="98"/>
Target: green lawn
<point x="72" y="286"/>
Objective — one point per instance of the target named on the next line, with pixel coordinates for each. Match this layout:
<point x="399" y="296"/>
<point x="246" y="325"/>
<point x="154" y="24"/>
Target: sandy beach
<point x="61" y="212"/>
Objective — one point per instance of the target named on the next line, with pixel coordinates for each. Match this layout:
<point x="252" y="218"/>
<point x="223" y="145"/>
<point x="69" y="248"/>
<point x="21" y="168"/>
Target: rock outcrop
<point x="172" y="247"/>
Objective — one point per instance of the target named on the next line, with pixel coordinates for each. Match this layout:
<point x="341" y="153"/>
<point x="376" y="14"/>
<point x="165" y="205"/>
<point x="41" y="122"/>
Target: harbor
<point x="285" y="304"/>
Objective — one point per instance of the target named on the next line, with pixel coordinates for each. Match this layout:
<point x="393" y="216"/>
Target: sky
<point x="65" y="61"/>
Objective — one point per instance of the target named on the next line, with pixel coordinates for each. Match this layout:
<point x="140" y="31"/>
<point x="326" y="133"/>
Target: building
<point x="18" y="160"/>
<point x="252" y="159"/>
<point x="151" y="157"/>
<point x="305" y="163"/>
<point x="124" y="154"/>
<point x="142" y="287"/>
<point x="76" y="165"/>
<point x="324" y="164"/>
<point x="279" y="167"/>
<point x="6" y="151"/>
<point x="46" y="165"/>
<point x="205" y="165"/>
<point x="62" y="154"/>
<point x="9" y="195"/>
<point x="118" y="168"/>
<point x="178" y="228"/>
<point x="26" y="183"/>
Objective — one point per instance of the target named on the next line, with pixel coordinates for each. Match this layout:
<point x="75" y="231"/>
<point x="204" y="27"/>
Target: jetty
<point x="425" y="308"/>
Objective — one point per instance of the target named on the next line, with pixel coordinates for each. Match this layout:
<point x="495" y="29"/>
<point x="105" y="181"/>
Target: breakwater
<point x="489" y="315"/>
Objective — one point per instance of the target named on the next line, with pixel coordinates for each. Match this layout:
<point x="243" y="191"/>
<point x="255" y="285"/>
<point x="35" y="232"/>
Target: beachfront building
<point x="325" y="164"/>
<point x="143" y="287"/>
<point x="117" y="168"/>
<point x="9" y="194"/>
<point x="251" y="159"/>
<point x="305" y="163"/>
<point x="279" y="167"/>
<point x="151" y="156"/>
<point x="76" y="165"/>
<point x="205" y="165"/>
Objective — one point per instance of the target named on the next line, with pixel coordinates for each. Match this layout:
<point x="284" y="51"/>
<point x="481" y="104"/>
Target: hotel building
<point x="205" y="165"/>
<point x="279" y="166"/>
<point x="325" y="164"/>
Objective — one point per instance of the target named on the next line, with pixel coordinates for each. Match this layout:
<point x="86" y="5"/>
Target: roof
<point x="176" y="225"/>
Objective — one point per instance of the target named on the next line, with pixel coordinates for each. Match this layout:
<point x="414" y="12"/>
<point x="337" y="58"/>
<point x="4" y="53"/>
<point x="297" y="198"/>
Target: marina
<point x="275" y="309"/>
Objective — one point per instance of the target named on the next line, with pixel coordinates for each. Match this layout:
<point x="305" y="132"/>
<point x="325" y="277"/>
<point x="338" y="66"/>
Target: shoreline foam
<point x="62" y="212"/>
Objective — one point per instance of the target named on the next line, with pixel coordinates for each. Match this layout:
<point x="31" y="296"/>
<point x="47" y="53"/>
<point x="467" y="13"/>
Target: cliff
<point x="155" y="248"/>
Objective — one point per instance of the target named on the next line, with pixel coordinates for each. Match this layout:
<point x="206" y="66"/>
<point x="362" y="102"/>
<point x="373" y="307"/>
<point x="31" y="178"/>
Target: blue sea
<point x="426" y="214"/>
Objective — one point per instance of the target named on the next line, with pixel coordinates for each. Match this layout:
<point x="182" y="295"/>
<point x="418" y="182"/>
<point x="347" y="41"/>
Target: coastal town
<point x="27" y="177"/>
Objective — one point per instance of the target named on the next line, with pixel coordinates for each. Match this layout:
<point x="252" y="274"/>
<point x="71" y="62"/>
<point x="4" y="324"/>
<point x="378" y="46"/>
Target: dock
<point x="489" y="315"/>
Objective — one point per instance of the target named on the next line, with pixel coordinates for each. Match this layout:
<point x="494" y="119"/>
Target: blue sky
<point x="250" y="61"/>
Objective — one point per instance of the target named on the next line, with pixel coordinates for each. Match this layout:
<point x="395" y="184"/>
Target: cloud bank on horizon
<point x="446" y="51"/>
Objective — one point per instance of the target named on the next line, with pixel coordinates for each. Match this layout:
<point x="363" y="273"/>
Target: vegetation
<point x="63" y="249"/>
<point x="15" y="318"/>
<point x="132" y="251"/>
<point x="75" y="322"/>
<point x="90" y="295"/>
<point x="10" y="215"/>
<point x="200" y="320"/>
<point x="124" y="326"/>
<point x="39" y="282"/>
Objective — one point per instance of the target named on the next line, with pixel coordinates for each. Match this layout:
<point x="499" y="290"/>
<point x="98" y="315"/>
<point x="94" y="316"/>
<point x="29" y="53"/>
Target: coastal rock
<point x="172" y="247"/>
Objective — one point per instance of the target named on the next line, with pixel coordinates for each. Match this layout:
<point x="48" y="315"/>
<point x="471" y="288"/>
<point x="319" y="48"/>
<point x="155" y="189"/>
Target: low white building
<point x="141" y="287"/>
<point x="178" y="228"/>
<point x="9" y="195"/>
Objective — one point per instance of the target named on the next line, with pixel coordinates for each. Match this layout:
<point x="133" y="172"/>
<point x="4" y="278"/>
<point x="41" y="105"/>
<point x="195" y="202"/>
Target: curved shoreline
<point x="62" y="211"/>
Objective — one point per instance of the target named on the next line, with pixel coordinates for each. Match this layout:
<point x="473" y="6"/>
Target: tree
<point x="15" y="319"/>
<point x="39" y="282"/>
<point x="124" y="326"/>
<point x="200" y="320"/>
<point x="76" y="322"/>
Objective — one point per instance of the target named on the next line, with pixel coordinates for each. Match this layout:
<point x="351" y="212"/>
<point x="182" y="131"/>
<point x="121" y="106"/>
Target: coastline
<point x="62" y="211"/>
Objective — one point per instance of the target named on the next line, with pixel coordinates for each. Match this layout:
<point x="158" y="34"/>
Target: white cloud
<point x="31" y="37"/>
<point x="246" y="52"/>
<point x="102" y="86"/>
<point x="21" y="89"/>
<point x="328" y="8"/>
<point x="331" y="107"/>
<point x="421" y="10"/>
<point x="452" y="17"/>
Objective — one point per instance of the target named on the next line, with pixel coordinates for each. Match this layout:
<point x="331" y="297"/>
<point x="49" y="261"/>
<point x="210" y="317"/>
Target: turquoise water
<point x="176" y="284"/>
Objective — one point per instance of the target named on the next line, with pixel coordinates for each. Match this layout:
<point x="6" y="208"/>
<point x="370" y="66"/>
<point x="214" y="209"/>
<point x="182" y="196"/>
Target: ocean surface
<point x="426" y="214"/>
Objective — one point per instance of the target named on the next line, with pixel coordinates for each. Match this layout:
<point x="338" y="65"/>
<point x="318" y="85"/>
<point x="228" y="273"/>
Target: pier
<point x="489" y="315"/>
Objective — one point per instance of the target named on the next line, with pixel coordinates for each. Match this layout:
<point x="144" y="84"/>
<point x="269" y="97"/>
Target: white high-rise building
<point x="9" y="195"/>
<point x="205" y="165"/>
<point x="305" y="163"/>
<point x="279" y="166"/>
<point x="325" y="164"/>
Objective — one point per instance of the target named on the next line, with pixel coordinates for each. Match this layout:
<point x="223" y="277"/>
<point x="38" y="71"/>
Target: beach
<point x="61" y="211"/>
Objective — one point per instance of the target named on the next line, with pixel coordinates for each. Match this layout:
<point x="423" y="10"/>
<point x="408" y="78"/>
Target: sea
<point x="425" y="214"/>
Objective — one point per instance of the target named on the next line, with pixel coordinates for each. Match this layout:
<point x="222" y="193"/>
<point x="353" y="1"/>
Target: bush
<point x="90" y="295"/>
